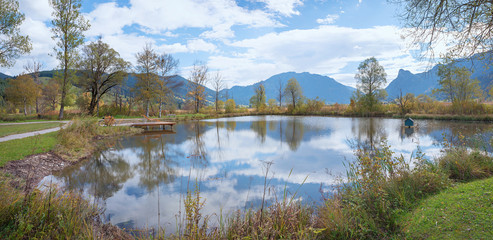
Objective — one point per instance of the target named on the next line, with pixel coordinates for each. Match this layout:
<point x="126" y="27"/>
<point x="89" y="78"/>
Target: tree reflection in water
<point x="223" y="155"/>
<point x="294" y="132"/>
<point x="368" y="134"/>
<point x="102" y="176"/>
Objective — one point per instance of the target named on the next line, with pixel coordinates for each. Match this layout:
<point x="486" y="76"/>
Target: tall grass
<point x="76" y="140"/>
<point x="51" y="214"/>
<point x="378" y="188"/>
<point x="463" y="164"/>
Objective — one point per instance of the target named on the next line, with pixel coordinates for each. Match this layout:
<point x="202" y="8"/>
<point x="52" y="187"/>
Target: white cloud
<point x="196" y="45"/>
<point x="283" y="7"/>
<point x="324" y="50"/>
<point x="161" y="15"/>
<point x="330" y="19"/>
<point x="36" y="9"/>
<point x="108" y="19"/>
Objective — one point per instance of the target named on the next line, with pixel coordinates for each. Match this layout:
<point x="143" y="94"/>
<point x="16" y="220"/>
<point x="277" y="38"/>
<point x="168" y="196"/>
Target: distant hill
<point x="424" y="83"/>
<point x="180" y="92"/>
<point x="313" y="85"/>
<point x="4" y="76"/>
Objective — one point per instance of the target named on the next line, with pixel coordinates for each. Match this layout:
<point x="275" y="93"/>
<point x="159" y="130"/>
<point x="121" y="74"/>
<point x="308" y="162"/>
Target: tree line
<point x="95" y="68"/>
<point x="98" y="70"/>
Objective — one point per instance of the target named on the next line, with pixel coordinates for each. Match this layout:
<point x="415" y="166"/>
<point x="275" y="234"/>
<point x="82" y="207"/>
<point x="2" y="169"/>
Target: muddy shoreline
<point x="28" y="172"/>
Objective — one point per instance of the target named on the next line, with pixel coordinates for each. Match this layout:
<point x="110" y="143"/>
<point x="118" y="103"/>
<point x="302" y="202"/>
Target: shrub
<point x="230" y="106"/>
<point x="465" y="165"/>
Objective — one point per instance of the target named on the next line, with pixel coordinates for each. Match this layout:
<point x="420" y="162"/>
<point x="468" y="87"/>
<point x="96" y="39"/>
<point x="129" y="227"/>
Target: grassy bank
<point x="461" y="212"/>
<point x="20" y="148"/>
<point x="451" y="117"/>
<point x="6" y="130"/>
<point x="51" y="213"/>
<point x="77" y="140"/>
<point x="73" y="142"/>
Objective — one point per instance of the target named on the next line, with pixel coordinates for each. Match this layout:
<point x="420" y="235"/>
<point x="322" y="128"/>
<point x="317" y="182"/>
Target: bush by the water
<point x="378" y="188"/>
<point x="76" y="139"/>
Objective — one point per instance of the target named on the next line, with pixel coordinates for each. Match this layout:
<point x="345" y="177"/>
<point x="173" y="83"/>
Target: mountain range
<point x="313" y="85"/>
<point x="327" y="89"/>
<point x="425" y="82"/>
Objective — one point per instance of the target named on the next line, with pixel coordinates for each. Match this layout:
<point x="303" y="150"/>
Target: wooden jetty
<point x="153" y="124"/>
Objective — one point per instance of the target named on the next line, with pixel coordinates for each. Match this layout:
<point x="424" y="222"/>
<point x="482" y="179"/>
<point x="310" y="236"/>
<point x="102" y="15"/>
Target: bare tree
<point x="217" y="85"/>
<point x="33" y="67"/>
<point x="167" y="66"/>
<point x="405" y="102"/>
<point x="198" y="78"/>
<point x="147" y="86"/>
<point x="466" y="26"/>
<point x="280" y="92"/>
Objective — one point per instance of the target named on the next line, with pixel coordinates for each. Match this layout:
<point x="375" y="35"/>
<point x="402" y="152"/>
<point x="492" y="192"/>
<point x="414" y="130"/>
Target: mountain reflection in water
<point x="142" y="180"/>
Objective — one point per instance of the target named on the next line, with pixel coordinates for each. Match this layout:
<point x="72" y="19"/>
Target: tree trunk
<point x="160" y="107"/>
<point x="92" y="105"/>
<point x="129" y="106"/>
<point x="37" y="105"/>
<point x="62" y="106"/>
<point x="147" y="108"/>
<point x="64" y="90"/>
<point x="25" y="109"/>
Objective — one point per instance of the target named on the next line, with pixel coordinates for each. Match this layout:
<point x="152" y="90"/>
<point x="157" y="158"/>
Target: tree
<point x="217" y="85"/>
<point x="198" y="78"/>
<point x="22" y="91"/>
<point x="280" y="92"/>
<point x="371" y="77"/>
<point x="147" y="86"/>
<point x="272" y="103"/>
<point x="33" y="68"/>
<point x="229" y="106"/>
<point x="68" y="27"/>
<point x="405" y="102"/>
<point x="258" y="100"/>
<point x="12" y="44"/>
<point x="456" y="84"/>
<point x="464" y="25"/>
<point x="167" y="66"/>
<point x="50" y="93"/>
<point x="102" y="69"/>
<point x="293" y="92"/>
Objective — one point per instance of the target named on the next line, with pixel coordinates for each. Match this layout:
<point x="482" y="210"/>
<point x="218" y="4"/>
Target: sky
<point x="245" y="41"/>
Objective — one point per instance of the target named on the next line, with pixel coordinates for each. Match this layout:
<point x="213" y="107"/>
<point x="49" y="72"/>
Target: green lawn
<point x="6" y="130"/>
<point x="461" y="212"/>
<point x="20" y="148"/>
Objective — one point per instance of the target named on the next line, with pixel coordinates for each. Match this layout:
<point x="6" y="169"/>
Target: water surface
<point x="142" y="180"/>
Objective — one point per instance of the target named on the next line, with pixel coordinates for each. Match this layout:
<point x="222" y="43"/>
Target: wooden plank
<point x="148" y="124"/>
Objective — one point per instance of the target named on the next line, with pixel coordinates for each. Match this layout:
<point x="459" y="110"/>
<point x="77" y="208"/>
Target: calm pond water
<point x="142" y="180"/>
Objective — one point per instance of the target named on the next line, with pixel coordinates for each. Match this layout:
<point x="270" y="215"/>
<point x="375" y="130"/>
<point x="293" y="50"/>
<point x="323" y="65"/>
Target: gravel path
<point x="28" y="134"/>
<point x="20" y="123"/>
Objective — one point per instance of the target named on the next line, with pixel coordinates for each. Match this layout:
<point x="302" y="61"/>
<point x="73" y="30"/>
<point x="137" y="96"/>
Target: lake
<point x="142" y="180"/>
